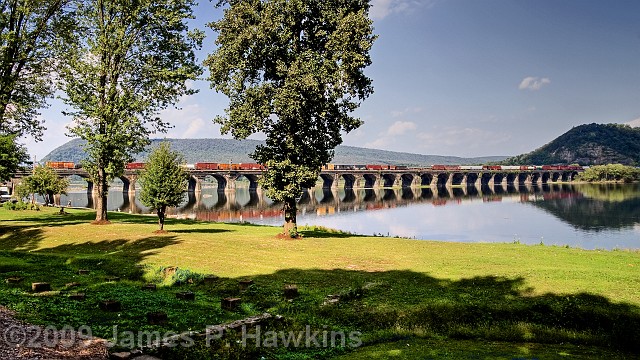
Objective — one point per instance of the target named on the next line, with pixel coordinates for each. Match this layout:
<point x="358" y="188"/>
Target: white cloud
<point x="533" y="83"/>
<point x="389" y="136"/>
<point x="634" y="123"/>
<point x="383" y="8"/>
<point x="400" y="128"/>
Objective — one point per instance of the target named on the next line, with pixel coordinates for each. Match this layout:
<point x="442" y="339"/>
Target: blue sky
<point x="465" y="77"/>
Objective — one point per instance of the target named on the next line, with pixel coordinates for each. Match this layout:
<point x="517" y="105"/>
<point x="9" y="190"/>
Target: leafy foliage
<point x="33" y="33"/>
<point x="137" y="59"/>
<point x="163" y="181"/>
<point x="610" y="172"/>
<point x="45" y="182"/>
<point x="11" y="155"/>
<point x="294" y="70"/>
<point x="591" y="144"/>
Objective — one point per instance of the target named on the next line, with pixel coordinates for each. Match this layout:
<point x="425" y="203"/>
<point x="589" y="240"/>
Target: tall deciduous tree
<point x="137" y="58"/>
<point x="32" y="35"/>
<point x="294" y="70"/>
<point x="45" y="182"/>
<point x="11" y="155"/>
<point x="163" y="181"/>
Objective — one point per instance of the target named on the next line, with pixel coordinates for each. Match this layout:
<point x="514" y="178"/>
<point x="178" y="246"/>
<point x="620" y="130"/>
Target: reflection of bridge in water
<point x="248" y="205"/>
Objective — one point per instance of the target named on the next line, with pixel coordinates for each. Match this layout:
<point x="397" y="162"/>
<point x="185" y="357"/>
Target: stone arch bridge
<point x="351" y="179"/>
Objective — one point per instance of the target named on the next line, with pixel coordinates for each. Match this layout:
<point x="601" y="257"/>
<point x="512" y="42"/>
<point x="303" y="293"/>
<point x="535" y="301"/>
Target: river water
<point x="585" y="216"/>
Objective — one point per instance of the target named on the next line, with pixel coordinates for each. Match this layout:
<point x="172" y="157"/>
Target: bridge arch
<point x="498" y="177"/>
<point x="349" y="180"/>
<point x="545" y="177"/>
<point x="426" y="179"/>
<point x="486" y="178"/>
<point x="512" y="177"/>
<point x="252" y="178"/>
<point x="555" y="176"/>
<point x="457" y="178"/>
<point x="443" y="178"/>
<point x="406" y="180"/>
<point x="327" y="181"/>
<point x="388" y="180"/>
<point x="472" y="178"/>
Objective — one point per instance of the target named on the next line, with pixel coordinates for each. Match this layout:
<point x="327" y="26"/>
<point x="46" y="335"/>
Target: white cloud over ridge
<point x="533" y="83"/>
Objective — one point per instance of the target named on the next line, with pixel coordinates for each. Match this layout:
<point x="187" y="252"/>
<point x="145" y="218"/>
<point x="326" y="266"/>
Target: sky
<point x="462" y="77"/>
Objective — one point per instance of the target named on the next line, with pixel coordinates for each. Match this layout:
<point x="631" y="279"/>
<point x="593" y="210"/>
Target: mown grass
<point x="449" y="297"/>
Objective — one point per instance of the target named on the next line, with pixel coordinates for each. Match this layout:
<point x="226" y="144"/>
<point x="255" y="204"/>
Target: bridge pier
<point x="230" y="184"/>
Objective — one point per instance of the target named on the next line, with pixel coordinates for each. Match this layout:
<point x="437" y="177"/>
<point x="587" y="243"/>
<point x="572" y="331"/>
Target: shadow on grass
<point x="387" y="305"/>
<point x="383" y="307"/>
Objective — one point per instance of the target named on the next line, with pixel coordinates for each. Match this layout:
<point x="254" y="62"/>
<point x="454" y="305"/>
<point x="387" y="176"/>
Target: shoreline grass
<point x="389" y="288"/>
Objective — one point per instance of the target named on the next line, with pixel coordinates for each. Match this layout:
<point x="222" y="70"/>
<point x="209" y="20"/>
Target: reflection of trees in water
<point x="612" y="207"/>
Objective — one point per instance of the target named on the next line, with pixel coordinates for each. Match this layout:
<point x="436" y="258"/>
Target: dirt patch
<point x="24" y="341"/>
<point x="161" y="232"/>
<point x="282" y="236"/>
<point x="101" y="222"/>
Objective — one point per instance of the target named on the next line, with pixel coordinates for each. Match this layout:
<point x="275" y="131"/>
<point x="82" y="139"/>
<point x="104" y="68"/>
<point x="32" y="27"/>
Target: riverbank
<point x="386" y="289"/>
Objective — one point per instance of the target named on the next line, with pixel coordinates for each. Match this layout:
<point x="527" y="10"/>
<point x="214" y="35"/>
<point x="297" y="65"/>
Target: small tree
<point x="45" y="182"/>
<point x="163" y="181"/>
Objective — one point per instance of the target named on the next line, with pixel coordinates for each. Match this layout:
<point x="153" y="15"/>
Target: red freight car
<point x="134" y="166"/>
<point x="375" y="167"/>
<point x="60" y="164"/>
<point x="206" y="166"/>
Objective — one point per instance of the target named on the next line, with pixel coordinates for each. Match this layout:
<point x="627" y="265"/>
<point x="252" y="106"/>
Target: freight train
<point x="376" y="167"/>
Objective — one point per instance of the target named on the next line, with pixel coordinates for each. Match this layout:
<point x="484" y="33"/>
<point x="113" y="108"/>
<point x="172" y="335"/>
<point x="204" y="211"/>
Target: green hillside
<point x="590" y="144"/>
<point x="225" y="150"/>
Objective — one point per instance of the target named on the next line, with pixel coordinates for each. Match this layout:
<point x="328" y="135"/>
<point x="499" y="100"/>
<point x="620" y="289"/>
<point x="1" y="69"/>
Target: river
<point x="605" y="216"/>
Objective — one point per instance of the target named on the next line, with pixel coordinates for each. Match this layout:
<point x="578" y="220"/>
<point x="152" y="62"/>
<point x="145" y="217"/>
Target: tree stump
<point x="40" y="287"/>
<point x="290" y="291"/>
<point x="157" y="318"/>
<point x="210" y="279"/>
<point x="14" y="280"/>
<point x="151" y="287"/>
<point x="110" y="305"/>
<point x="244" y="284"/>
<point x="186" y="295"/>
<point x="77" y="296"/>
<point x="230" y="304"/>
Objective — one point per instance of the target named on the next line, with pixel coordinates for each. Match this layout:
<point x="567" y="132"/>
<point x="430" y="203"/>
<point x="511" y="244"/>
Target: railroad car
<point x="60" y="164"/>
<point x="510" y="167"/>
<point x="471" y="167"/>
<point x="206" y="166"/>
<point x="250" y="166"/>
<point x="491" y="167"/>
<point x="375" y="167"/>
<point x="134" y="166"/>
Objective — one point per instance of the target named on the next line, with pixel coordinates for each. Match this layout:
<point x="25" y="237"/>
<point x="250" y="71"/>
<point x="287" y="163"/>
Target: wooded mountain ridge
<point x="589" y="144"/>
<point x="237" y="151"/>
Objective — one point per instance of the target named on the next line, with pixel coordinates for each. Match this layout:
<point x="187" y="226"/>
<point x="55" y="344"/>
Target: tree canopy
<point x="163" y="180"/>
<point x="33" y="34"/>
<point x="45" y="182"/>
<point x="137" y="58"/>
<point x="11" y="155"/>
<point x="293" y="70"/>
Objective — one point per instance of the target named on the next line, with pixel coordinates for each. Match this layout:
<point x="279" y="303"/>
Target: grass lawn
<point x="453" y="298"/>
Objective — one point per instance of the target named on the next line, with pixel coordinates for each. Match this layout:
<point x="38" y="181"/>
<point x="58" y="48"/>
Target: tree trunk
<point x="290" y="210"/>
<point x="161" y="216"/>
<point x="102" y="192"/>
